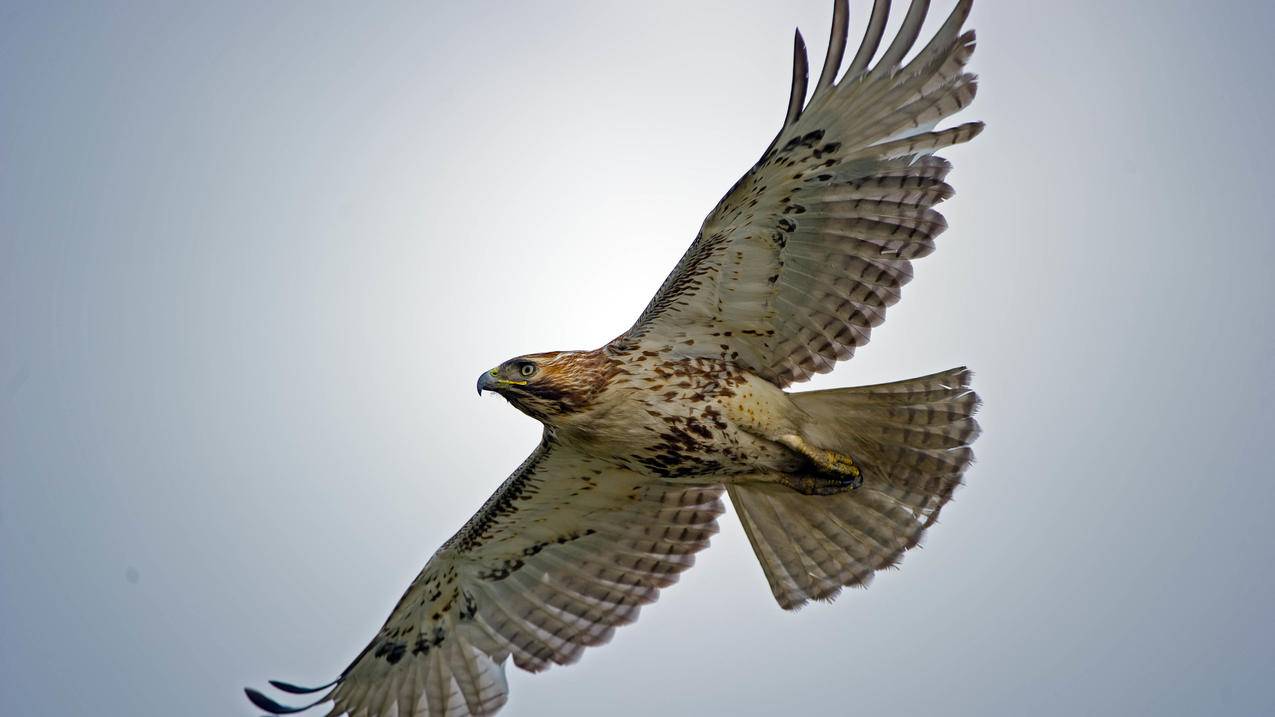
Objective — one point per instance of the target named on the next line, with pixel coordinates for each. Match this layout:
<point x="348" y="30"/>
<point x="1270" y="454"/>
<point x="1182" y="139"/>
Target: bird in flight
<point x="788" y="275"/>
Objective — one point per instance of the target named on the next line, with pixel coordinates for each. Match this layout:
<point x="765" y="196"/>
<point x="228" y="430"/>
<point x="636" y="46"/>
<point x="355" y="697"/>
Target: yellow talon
<point x="826" y="460"/>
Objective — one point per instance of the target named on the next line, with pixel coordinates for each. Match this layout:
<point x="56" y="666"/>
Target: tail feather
<point x="805" y="554"/>
<point x="911" y="439"/>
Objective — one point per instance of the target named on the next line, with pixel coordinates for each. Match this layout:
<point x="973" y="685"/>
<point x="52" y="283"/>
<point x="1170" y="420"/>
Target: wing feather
<point x="836" y="45"/>
<point x="566" y="550"/>
<point x="800" y="75"/>
<point x="871" y="39"/>
<point x="908" y="32"/>
<point x="800" y="260"/>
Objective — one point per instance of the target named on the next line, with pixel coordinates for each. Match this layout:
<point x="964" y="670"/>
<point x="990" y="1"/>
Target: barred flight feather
<point x="787" y="224"/>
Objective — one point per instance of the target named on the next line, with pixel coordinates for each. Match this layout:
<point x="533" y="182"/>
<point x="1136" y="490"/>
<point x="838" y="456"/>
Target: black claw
<point x="822" y="483"/>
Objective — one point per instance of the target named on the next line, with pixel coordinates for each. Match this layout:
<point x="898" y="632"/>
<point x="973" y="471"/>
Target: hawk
<point x="787" y="276"/>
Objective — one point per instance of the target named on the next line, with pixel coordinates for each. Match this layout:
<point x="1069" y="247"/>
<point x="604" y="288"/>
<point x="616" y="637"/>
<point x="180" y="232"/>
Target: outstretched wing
<point x="567" y="549"/>
<point x="800" y="259"/>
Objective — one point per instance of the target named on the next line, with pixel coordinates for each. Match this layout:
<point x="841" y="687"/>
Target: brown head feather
<point x="564" y="382"/>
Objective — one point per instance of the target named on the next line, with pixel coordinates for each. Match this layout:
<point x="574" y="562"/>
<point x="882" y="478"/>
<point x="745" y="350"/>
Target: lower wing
<point x="567" y="549"/>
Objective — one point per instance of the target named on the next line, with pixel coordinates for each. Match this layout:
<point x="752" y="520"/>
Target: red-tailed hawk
<point x="787" y="276"/>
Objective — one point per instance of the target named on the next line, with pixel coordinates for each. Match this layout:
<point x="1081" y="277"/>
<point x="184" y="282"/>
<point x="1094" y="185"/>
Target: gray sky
<point x="253" y="256"/>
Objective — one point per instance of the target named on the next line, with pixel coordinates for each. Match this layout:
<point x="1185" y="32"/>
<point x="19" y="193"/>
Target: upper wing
<point x="802" y="256"/>
<point x="565" y="550"/>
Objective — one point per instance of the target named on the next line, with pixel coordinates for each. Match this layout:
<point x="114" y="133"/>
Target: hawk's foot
<point x="839" y="466"/>
<point x="820" y="484"/>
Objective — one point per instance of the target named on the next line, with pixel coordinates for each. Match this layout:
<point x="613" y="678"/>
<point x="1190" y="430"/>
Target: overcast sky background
<point x="253" y="257"/>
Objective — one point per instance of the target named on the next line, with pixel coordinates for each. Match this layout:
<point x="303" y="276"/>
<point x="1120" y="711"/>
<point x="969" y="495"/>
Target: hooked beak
<point x="491" y="381"/>
<point x="487" y="381"/>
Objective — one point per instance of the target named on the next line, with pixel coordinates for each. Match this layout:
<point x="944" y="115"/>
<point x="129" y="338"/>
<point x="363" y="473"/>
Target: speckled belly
<point x="694" y="418"/>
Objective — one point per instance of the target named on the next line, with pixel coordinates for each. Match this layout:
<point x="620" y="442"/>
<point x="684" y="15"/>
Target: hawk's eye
<point x="527" y="370"/>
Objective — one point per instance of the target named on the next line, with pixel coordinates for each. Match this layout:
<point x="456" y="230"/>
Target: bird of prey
<point x="788" y="275"/>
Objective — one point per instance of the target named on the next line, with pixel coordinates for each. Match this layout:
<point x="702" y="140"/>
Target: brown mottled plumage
<point x="788" y="275"/>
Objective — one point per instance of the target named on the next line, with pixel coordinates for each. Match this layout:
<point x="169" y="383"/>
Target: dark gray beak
<point x="487" y="381"/>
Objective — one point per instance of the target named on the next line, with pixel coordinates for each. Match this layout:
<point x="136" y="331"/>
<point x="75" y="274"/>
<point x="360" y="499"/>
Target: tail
<point x="910" y="438"/>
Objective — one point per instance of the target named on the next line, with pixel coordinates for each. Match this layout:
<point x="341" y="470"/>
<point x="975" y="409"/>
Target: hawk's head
<point x="548" y="385"/>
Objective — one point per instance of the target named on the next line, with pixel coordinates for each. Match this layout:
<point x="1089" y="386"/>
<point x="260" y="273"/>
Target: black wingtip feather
<point x="265" y="703"/>
<point x="800" y="76"/>
<point x="836" y="45"/>
<point x="274" y="708"/>
<point x="297" y="690"/>
<point x="909" y="31"/>
<point x="871" y="39"/>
